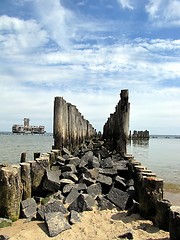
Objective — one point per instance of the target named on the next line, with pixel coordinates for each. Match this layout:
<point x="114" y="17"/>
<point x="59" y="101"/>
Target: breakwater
<point x="90" y="176"/>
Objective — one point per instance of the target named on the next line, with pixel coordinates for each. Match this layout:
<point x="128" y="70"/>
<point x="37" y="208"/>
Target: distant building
<point x="26" y="128"/>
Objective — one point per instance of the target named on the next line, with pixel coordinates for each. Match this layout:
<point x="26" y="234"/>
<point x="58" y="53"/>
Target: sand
<point x="94" y="225"/>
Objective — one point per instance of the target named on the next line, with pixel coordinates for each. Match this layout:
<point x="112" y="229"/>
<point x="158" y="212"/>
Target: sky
<point x="87" y="51"/>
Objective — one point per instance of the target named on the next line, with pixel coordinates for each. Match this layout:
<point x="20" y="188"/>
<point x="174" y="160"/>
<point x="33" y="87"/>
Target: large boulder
<point x="56" y="223"/>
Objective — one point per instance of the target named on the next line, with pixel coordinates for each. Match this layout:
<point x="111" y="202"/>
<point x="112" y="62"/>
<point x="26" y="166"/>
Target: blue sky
<point x="87" y="51"/>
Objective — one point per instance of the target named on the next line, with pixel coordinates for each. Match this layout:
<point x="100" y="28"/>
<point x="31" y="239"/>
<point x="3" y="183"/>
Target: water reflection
<point x="139" y="142"/>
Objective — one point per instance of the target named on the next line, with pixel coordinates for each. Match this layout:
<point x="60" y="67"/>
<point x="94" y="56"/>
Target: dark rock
<point x="108" y="171"/>
<point x="130" y="182"/>
<point x="107" y="163"/>
<point x="94" y="190"/>
<point x="84" y="202"/>
<point x="104" y="179"/>
<point x="134" y="209"/>
<point x="131" y="191"/>
<point x="104" y="153"/>
<point x="67" y="188"/>
<point x="69" y="168"/>
<point x="122" y="169"/>
<point x="73" y="195"/>
<point x="4" y="237"/>
<point x="28" y="208"/>
<point x="86" y="159"/>
<point x="60" y="160"/>
<point x="4" y="222"/>
<point x="52" y="180"/>
<point x="127" y="235"/>
<point x="73" y="160"/>
<point x="74" y="217"/>
<point x="94" y="163"/>
<point x="56" y="223"/>
<point x="65" y="181"/>
<point x="70" y="175"/>
<point x="104" y="204"/>
<point x="120" y="183"/>
<point x="51" y="206"/>
<point x="86" y="178"/>
<point x="119" y="198"/>
<point x="66" y="151"/>
<point x="94" y="173"/>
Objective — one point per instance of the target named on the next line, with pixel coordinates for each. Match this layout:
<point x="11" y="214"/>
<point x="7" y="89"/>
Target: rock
<point x="104" y="204"/>
<point x="4" y="237"/>
<point x="119" y="183"/>
<point x="66" y="151"/>
<point x="94" y="190"/>
<point x="118" y="197"/>
<point x="4" y="222"/>
<point x="94" y="163"/>
<point x="107" y="163"/>
<point x="73" y="195"/>
<point x="52" y="180"/>
<point x="104" y="179"/>
<point x="131" y="191"/>
<point x="126" y="235"/>
<point x="86" y="178"/>
<point x="60" y="160"/>
<point x="67" y="188"/>
<point x="69" y="168"/>
<point x="134" y="209"/>
<point x="28" y="208"/>
<point x="50" y="207"/>
<point x="65" y="181"/>
<point x="104" y="153"/>
<point x="84" y="202"/>
<point x="74" y="217"/>
<point x="73" y="160"/>
<point x="56" y="223"/>
<point x="108" y="171"/>
<point x="70" y="175"/>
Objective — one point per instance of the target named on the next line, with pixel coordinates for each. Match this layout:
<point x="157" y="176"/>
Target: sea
<point x="161" y="153"/>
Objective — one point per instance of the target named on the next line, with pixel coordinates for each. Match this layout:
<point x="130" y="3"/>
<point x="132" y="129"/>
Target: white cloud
<point x="164" y="12"/>
<point x="126" y="4"/>
<point x="18" y="36"/>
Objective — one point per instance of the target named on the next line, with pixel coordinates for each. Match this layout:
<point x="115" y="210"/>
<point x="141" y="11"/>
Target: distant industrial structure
<point x="27" y="129"/>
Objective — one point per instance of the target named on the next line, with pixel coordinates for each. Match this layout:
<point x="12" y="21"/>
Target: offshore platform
<point x="28" y="129"/>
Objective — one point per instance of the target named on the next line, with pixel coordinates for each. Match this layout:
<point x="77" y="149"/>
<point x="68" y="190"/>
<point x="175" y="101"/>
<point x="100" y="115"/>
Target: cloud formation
<point x="87" y="55"/>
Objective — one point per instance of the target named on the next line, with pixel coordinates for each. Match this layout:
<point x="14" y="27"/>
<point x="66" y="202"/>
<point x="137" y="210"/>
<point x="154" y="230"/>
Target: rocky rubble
<point x="91" y="177"/>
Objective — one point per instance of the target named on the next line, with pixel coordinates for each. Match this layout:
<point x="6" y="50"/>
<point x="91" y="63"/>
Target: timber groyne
<point x="85" y="173"/>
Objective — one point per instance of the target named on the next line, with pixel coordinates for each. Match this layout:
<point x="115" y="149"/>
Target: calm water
<point x="161" y="155"/>
<point x="12" y="145"/>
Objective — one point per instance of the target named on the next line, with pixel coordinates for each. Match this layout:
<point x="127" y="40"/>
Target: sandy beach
<point x="94" y="225"/>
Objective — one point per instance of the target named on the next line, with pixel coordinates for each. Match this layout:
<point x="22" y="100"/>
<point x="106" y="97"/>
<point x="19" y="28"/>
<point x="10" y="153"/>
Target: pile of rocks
<point x="91" y="177"/>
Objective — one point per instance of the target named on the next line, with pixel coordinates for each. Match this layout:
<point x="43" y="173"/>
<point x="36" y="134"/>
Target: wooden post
<point x="26" y="180"/>
<point x="23" y="157"/>
<point x="10" y="192"/>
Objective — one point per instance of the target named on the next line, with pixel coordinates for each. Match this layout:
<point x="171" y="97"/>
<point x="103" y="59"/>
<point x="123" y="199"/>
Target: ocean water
<point x="161" y="154"/>
<point x="12" y="145"/>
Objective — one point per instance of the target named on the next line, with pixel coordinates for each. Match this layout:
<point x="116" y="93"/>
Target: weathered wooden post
<point x="23" y="157"/>
<point x="26" y="180"/>
<point x="116" y="129"/>
<point x="10" y="192"/>
<point x="174" y="223"/>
